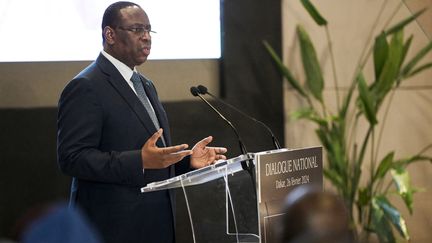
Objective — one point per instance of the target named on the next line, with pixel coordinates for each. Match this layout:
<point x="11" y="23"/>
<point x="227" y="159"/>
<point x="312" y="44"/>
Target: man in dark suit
<point x="113" y="137"/>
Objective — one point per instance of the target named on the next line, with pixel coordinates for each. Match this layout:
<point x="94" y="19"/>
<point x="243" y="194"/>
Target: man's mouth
<point x="146" y="50"/>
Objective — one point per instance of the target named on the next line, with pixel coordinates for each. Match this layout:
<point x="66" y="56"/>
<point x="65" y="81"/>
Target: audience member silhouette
<point x="314" y="216"/>
<point x="57" y="223"/>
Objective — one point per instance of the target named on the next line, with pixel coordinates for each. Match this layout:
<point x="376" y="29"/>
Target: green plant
<point x="338" y="131"/>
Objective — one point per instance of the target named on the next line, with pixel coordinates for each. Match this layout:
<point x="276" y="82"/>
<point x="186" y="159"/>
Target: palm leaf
<point x="391" y="68"/>
<point x="403" y="23"/>
<point x="313" y="12"/>
<point x="363" y="196"/>
<point x="407" y="45"/>
<point x="380" y="224"/>
<point x="384" y="166"/>
<point x="402" y="180"/>
<point x="420" y="69"/>
<point x="310" y="114"/>
<point x="393" y="215"/>
<point x="334" y="178"/>
<point x="368" y="101"/>
<point x="312" y="68"/>
<point x="380" y="53"/>
<point x="416" y="158"/>
<point x="404" y="54"/>
<point x="337" y="137"/>
<point x="413" y="62"/>
<point x="284" y="70"/>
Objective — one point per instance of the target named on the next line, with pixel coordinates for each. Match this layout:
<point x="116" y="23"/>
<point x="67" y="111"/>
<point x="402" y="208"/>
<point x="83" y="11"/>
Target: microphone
<point x="248" y="165"/>
<point x="203" y="90"/>
<point x="195" y="92"/>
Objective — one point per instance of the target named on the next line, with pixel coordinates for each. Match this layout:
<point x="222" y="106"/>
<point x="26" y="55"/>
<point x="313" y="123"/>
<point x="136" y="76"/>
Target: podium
<point x="226" y="203"/>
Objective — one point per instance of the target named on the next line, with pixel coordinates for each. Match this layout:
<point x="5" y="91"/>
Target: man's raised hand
<point x="154" y="157"/>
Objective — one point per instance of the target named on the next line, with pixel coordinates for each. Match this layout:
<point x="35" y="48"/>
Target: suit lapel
<point x="118" y="82"/>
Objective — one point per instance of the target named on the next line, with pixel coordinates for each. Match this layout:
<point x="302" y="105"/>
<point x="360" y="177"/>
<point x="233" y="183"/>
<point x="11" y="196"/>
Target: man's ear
<point x="109" y="35"/>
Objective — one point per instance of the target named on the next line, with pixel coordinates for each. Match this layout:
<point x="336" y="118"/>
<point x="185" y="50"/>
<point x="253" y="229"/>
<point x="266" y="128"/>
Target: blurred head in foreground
<point x="314" y="216"/>
<point x="59" y="223"/>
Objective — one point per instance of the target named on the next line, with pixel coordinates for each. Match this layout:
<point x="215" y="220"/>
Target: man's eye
<point x="139" y="30"/>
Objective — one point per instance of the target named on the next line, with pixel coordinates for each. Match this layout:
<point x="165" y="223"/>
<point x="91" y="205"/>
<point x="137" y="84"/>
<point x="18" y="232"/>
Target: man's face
<point x="130" y="41"/>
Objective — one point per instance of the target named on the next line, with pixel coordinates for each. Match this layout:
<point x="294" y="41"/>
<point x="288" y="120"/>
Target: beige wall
<point x="408" y="127"/>
<point x="39" y="84"/>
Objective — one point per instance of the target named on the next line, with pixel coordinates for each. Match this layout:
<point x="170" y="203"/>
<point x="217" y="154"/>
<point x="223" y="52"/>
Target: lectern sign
<point x="278" y="173"/>
<point x="232" y="216"/>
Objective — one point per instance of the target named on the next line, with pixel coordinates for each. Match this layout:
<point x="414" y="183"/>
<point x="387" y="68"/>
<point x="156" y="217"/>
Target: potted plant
<point x="346" y="147"/>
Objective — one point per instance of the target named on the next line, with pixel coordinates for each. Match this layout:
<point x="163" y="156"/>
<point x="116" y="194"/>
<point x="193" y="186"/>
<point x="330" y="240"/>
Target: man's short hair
<point x="112" y="14"/>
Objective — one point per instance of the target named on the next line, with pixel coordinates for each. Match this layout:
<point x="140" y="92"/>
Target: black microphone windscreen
<point x="202" y="89"/>
<point x="194" y="90"/>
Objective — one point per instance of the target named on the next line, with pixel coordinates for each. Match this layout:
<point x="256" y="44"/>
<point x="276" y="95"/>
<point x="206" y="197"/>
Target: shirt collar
<point x="124" y="70"/>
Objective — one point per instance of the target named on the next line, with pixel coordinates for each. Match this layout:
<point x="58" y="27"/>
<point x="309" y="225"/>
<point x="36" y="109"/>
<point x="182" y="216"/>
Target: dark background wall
<point x="29" y="175"/>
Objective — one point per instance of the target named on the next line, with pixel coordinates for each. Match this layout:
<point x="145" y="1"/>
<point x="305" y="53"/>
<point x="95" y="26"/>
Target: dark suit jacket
<point x="102" y="126"/>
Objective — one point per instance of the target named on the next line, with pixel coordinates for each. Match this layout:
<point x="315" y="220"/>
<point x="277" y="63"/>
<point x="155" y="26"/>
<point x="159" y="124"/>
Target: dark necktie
<point x="139" y="88"/>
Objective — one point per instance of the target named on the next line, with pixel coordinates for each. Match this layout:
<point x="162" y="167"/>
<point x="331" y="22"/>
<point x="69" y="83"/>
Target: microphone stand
<point x="248" y="166"/>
